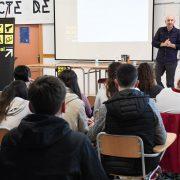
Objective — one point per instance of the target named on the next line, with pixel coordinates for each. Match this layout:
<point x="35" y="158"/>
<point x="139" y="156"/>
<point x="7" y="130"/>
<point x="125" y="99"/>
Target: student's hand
<point x="91" y="122"/>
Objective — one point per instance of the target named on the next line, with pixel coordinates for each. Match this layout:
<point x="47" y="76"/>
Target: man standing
<point x="167" y="40"/>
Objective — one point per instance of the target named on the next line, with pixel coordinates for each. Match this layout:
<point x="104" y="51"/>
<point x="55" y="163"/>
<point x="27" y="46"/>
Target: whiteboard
<point x="103" y="29"/>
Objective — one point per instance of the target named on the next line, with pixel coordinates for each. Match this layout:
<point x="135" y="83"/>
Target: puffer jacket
<point x="129" y="113"/>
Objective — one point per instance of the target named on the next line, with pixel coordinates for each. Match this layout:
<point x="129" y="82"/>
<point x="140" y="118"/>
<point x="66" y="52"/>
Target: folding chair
<point x="125" y="146"/>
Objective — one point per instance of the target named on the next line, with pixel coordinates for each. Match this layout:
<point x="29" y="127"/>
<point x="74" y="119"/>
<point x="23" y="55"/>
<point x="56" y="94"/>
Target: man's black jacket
<point x="167" y="54"/>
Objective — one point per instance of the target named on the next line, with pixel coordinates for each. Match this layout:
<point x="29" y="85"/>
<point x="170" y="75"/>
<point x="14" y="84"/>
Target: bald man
<point x="167" y="40"/>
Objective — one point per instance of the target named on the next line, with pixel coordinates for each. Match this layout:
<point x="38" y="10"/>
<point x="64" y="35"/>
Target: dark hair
<point x="145" y="77"/>
<point x="14" y="89"/>
<point x="22" y="72"/>
<point x="46" y="95"/>
<point x="112" y="72"/>
<point x="69" y="78"/>
<point x="127" y="75"/>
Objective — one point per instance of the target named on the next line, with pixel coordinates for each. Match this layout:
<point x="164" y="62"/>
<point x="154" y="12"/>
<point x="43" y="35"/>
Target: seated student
<point x="75" y="106"/>
<point x="23" y="73"/>
<point x="109" y="91"/>
<point x="103" y="93"/>
<point x="130" y="112"/>
<point x="147" y="82"/>
<point x="168" y="100"/>
<point x="13" y="104"/>
<point x="43" y="147"/>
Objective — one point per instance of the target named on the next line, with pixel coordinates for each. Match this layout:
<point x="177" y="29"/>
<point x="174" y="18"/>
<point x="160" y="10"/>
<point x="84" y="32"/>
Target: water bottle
<point x="96" y="62"/>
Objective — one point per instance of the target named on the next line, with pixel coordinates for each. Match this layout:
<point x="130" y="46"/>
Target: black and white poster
<point x="28" y="11"/>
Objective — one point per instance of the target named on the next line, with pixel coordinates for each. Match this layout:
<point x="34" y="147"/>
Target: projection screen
<point x="103" y="29"/>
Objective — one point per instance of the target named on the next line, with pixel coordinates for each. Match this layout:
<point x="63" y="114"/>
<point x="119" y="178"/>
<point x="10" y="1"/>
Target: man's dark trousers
<point x="170" y="69"/>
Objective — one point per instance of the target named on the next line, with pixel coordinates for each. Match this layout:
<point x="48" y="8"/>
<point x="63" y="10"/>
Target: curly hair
<point x="146" y="77"/>
<point x="110" y="85"/>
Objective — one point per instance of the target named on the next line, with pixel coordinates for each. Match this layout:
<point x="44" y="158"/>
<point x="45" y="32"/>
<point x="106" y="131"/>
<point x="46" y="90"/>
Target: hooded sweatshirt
<point x="18" y="109"/>
<point x="75" y="113"/>
<point x="43" y="147"/>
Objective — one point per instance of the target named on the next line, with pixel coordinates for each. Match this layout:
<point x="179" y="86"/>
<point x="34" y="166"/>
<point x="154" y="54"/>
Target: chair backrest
<point x="3" y="131"/>
<point x="120" y="145"/>
<point x="127" y="146"/>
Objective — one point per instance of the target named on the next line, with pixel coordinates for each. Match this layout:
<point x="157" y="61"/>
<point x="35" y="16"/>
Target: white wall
<point x="48" y="39"/>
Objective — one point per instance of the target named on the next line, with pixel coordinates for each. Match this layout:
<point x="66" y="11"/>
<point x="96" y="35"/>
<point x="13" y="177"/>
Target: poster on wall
<point x="6" y="51"/>
<point x="24" y="35"/>
<point x="28" y="11"/>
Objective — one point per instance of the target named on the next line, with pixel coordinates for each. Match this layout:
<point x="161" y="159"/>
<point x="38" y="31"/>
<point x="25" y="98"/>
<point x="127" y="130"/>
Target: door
<point x="28" y="46"/>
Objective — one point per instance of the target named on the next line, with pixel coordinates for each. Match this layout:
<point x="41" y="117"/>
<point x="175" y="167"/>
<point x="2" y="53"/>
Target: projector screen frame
<point x="104" y="60"/>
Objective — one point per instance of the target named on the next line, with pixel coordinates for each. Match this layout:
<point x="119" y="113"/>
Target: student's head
<point x="22" y="72"/>
<point x="170" y="21"/>
<point x="15" y="89"/>
<point x="70" y="79"/>
<point x="145" y="77"/>
<point x="46" y="95"/>
<point x="127" y="76"/>
<point x="112" y="72"/>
